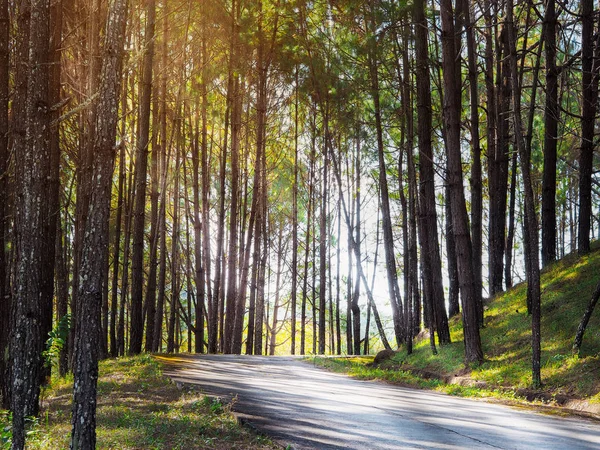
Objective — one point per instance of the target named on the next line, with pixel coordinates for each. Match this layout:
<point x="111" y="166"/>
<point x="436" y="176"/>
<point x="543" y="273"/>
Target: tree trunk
<point x="497" y="159"/>
<point x="388" y="235"/>
<point x="163" y="162"/>
<point x="323" y="237"/>
<point x="129" y="194"/>
<point x="294" y="274"/>
<point x="551" y="117"/>
<point x="232" y="260"/>
<point x="357" y="230"/>
<point x="585" y="319"/>
<point x="588" y="113"/>
<point x="141" y="169"/>
<point x="280" y="252"/>
<point x="95" y="239"/>
<point x="172" y="340"/>
<point x="464" y="251"/>
<point x="307" y="249"/>
<point x="31" y="172"/>
<point x="533" y="274"/>
<point x="5" y="303"/>
<point x="475" y="181"/>
<point x="511" y="223"/>
<point x="428" y="234"/>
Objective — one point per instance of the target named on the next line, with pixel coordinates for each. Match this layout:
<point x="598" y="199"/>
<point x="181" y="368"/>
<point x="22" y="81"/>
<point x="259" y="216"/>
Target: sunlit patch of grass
<point x="567" y="286"/>
<point x="138" y="408"/>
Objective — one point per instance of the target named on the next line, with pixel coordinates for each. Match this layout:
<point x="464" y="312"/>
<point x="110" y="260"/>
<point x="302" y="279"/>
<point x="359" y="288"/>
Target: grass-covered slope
<point x="138" y="408"/>
<point x="566" y="289"/>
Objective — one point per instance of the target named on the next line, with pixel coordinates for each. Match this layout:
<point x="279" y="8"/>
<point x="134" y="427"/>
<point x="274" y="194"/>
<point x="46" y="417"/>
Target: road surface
<point x="309" y="408"/>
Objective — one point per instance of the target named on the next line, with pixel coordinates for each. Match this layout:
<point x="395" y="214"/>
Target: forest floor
<point x="571" y="381"/>
<point x="139" y="408"/>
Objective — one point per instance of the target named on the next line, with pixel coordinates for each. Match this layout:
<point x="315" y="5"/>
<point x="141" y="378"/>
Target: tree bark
<point x="433" y="290"/>
<point x="5" y="298"/>
<point x="464" y="251"/>
<point x="83" y="435"/>
<point x="475" y="181"/>
<point x="586" y="155"/>
<point x="31" y="172"/>
<point x="141" y="170"/>
<point x="551" y="117"/>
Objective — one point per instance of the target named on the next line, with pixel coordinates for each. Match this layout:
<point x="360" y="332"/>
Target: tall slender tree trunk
<point x="294" y="288"/>
<point x="476" y="184"/>
<point x="83" y="435"/>
<point x="199" y="279"/>
<point x="323" y="237"/>
<point x="276" y="305"/>
<point x="464" y="250"/>
<point x="172" y="340"/>
<point x="388" y="235"/>
<point x="232" y="260"/>
<point x="141" y="170"/>
<point x="211" y="323"/>
<point x="163" y="163"/>
<point x="589" y="100"/>
<point x="150" y="300"/>
<point x="307" y="250"/>
<point x="533" y="274"/>
<point x="129" y="194"/>
<point x="550" y="139"/>
<point x="428" y="234"/>
<point x="357" y="230"/>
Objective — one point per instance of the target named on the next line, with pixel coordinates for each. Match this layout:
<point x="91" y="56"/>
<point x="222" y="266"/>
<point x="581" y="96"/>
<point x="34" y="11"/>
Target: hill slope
<point x="567" y="287"/>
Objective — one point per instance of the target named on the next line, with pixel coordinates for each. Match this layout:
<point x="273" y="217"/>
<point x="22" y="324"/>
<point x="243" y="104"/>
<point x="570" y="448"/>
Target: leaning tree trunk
<point x="95" y="237"/>
<point x="585" y="319"/>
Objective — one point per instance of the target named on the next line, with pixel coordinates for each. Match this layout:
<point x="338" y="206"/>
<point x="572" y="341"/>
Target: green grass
<point x="567" y="287"/>
<point x="138" y="408"/>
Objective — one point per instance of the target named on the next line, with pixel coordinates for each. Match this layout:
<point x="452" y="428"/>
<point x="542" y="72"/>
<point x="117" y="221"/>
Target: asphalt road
<point x="309" y="408"/>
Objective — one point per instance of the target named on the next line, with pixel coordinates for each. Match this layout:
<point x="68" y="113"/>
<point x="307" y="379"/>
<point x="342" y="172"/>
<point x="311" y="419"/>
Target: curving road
<point x="309" y="408"/>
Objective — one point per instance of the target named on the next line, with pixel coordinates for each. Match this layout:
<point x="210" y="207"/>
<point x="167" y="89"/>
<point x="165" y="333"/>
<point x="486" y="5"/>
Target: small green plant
<point x="214" y="404"/>
<point x="6" y="430"/>
<point x="56" y="341"/>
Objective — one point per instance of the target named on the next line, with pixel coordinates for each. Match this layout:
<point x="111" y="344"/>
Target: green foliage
<point x="31" y="424"/>
<point x="57" y="339"/>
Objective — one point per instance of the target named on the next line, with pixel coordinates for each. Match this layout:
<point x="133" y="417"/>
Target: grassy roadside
<point x="506" y="372"/>
<point x="138" y="408"/>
